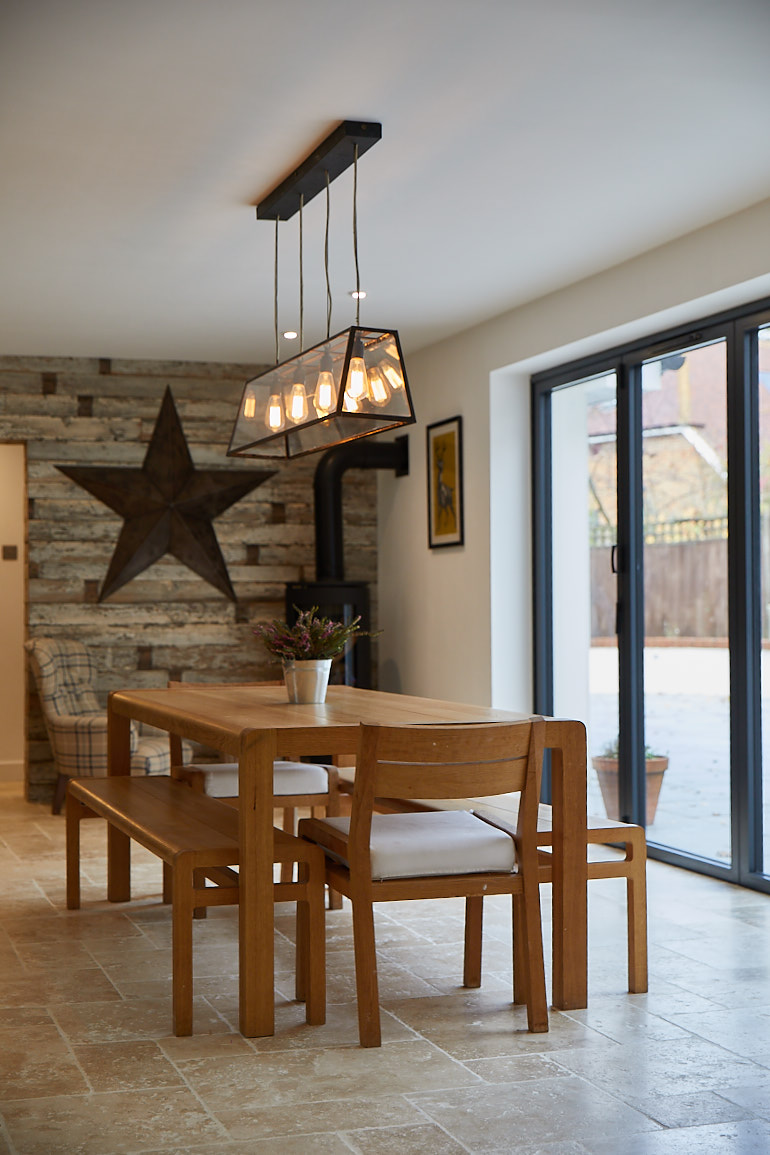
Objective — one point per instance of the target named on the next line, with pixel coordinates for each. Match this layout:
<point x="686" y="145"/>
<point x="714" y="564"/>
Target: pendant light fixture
<point x="354" y="383"/>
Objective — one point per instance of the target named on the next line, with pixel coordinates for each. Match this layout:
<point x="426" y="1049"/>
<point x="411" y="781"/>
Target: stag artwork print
<point x="445" y="483"/>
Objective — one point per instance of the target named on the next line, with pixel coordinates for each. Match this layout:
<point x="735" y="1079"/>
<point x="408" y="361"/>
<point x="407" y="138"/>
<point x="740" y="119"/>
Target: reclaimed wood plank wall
<point x="167" y="622"/>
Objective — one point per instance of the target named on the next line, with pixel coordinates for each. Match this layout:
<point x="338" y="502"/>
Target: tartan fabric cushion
<point x="64" y="674"/>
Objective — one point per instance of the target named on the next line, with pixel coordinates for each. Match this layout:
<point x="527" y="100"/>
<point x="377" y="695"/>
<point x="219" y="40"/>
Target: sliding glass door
<point x="585" y="684"/>
<point x="686" y="650"/>
<point x="652" y="591"/>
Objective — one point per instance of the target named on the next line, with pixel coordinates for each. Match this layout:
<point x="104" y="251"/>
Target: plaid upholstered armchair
<point x="75" y="722"/>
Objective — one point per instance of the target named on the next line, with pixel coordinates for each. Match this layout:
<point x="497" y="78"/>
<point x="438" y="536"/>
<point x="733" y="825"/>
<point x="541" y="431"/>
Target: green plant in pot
<point x="306" y="650"/>
<point x="605" y="763"/>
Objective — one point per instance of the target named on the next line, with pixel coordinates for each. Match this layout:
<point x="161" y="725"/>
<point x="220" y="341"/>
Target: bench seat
<point x="196" y="837"/>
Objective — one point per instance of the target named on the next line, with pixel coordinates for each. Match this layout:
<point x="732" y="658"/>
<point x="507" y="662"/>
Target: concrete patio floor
<point x="687" y="718"/>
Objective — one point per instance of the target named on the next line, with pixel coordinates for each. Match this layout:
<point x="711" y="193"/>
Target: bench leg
<point x="311" y="943"/>
<point x="118" y="865"/>
<point x="181" y="945"/>
<point x="74" y="812"/>
<point x="60" y="793"/>
<point x="474" y="917"/>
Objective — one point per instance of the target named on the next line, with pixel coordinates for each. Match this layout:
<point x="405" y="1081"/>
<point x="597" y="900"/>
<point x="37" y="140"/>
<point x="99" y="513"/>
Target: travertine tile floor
<point x="88" y="1065"/>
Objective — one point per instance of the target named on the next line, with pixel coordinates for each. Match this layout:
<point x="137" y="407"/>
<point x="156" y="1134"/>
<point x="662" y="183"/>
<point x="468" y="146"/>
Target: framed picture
<point x="445" y="483"/>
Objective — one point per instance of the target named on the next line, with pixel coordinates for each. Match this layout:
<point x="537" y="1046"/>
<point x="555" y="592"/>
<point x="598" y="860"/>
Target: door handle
<point x="614" y="559"/>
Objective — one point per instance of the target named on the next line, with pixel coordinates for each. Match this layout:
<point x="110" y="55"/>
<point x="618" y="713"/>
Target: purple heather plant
<point x="311" y="637"/>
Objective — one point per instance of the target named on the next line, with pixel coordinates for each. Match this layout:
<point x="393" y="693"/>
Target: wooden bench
<point x="197" y="839"/>
<point x="601" y="832"/>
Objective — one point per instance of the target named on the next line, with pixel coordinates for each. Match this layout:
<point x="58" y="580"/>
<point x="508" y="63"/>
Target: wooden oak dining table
<point x="255" y="724"/>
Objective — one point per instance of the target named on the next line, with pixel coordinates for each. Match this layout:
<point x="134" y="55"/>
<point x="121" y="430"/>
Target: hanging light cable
<point x="275" y="418"/>
<point x="296" y="408"/>
<point x="325" y="396"/>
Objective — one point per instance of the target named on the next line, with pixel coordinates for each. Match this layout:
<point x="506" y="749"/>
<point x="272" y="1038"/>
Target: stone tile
<point x="616" y="1018"/>
<point x="128" y="1021"/>
<point x="37" y="1063"/>
<point x="541" y="1112"/>
<point x="422" y="1140"/>
<point x="516" y="1069"/>
<point x="56" y="987"/>
<point x="395" y="982"/>
<point x="368" y="1110"/>
<point x="482" y="1025"/>
<point x="316" y="1144"/>
<point x="747" y="1138"/>
<point x="754" y="1098"/>
<point x="203" y="1047"/>
<point x="287" y="1077"/>
<point x="643" y="1068"/>
<point x="743" y="1032"/>
<point x="99" y="1123"/>
<point x="76" y="926"/>
<point x="126" y="1066"/>
<point x="692" y="1110"/>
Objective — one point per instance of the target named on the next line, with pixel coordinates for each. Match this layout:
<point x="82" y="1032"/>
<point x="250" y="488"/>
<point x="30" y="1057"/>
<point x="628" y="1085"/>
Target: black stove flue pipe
<point x="330" y="593"/>
<point x="327" y="491"/>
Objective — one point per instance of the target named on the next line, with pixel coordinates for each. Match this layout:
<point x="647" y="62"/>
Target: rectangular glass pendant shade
<point x="352" y="385"/>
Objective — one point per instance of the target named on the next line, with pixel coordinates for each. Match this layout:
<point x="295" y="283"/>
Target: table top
<point x="219" y="715"/>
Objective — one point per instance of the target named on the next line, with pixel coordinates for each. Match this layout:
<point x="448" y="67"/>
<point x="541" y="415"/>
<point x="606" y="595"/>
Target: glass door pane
<point x="686" y="659"/>
<point x="764" y="521"/>
<point x="584" y="486"/>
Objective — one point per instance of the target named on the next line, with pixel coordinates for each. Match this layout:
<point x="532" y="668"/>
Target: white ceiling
<point x="526" y="144"/>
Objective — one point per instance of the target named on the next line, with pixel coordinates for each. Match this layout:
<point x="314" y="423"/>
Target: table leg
<point x="118" y="844"/>
<point x="255" y="911"/>
<point x="570" y="876"/>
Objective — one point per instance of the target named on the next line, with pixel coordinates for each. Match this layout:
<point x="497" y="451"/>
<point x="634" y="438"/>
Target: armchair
<point x="75" y="722"/>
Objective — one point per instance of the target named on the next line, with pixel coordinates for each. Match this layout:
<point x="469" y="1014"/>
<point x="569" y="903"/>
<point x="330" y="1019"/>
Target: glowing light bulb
<point x="274" y="417"/>
<point x="249" y="404"/>
<point x="379" y="390"/>
<point x="357" y="381"/>
<point x="393" y="376"/>
<point x="350" y="404"/>
<point x="297" y="408"/>
<point x="325" y="390"/>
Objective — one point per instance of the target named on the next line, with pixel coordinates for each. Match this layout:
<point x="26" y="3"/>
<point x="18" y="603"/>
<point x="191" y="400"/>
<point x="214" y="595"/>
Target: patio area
<point x="688" y="719"/>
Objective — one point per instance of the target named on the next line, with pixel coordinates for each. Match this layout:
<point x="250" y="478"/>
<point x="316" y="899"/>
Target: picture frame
<point x="445" y="483"/>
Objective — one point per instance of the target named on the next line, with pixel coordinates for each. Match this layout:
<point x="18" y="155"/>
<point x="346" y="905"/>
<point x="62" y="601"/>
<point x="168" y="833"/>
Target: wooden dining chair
<point x="374" y="857"/>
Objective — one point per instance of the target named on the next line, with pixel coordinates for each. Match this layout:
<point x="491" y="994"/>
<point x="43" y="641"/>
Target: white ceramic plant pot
<point x="306" y="681"/>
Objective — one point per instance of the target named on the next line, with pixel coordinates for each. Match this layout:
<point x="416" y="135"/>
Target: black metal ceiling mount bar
<point x="333" y="156"/>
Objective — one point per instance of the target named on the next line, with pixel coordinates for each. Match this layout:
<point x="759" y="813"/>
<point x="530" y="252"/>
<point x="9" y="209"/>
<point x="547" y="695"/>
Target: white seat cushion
<point x="221" y="778"/>
<point x="426" y="845"/>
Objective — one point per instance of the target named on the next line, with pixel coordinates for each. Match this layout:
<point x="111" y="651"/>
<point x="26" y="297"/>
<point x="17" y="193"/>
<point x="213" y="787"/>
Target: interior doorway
<point x="13" y="486"/>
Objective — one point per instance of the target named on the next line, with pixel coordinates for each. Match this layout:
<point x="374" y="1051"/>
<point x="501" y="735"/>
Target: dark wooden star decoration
<point x="167" y="505"/>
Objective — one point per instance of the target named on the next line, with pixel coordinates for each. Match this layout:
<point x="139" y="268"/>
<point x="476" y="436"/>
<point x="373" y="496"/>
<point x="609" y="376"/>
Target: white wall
<point x="436" y="606"/>
<point x="12" y="616"/>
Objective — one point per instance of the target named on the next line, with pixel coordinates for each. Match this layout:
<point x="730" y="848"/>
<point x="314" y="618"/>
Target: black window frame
<point x="738" y="327"/>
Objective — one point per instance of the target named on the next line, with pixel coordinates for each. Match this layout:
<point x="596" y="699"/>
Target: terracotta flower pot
<point x="607" y="773"/>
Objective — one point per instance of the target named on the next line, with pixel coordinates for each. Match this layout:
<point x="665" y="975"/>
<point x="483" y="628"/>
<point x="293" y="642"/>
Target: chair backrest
<point x="467" y="761"/>
<point x="64" y="673"/>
